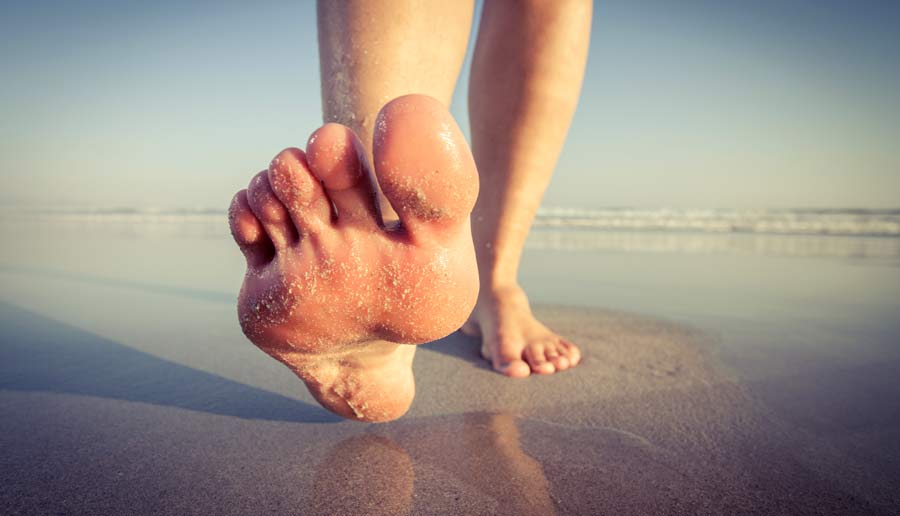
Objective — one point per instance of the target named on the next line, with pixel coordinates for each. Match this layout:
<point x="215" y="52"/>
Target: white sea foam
<point x="834" y="233"/>
<point x="840" y="222"/>
<point x="831" y="246"/>
<point x="836" y="222"/>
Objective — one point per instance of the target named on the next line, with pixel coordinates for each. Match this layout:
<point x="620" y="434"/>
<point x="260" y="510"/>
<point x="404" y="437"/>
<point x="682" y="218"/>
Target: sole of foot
<point x="332" y="291"/>
<point x="513" y="340"/>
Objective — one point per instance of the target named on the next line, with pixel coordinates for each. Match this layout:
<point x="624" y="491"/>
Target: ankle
<point x="494" y="277"/>
<point x="498" y="290"/>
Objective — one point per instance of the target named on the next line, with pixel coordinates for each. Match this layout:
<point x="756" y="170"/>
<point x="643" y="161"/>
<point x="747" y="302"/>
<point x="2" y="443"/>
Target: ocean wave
<point x="802" y="221"/>
<point x="835" y="222"/>
<point x="789" y="245"/>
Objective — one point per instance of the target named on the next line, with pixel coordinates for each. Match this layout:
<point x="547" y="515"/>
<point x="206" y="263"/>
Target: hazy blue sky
<point x="688" y="103"/>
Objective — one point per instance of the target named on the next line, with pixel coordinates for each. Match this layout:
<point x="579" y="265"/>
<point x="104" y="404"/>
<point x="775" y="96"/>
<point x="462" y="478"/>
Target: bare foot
<point x="514" y="341"/>
<point x="333" y="293"/>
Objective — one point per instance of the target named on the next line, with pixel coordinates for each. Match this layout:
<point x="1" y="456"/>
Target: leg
<point x="330" y="291"/>
<point x="373" y="52"/>
<point x="526" y="77"/>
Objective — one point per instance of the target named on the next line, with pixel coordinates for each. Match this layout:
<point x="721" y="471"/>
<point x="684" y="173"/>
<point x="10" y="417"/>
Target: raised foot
<point x="332" y="292"/>
<point x="513" y="340"/>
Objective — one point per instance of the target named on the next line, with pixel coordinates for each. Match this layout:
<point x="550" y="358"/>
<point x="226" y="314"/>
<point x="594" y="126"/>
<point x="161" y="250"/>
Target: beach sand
<point x="126" y="387"/>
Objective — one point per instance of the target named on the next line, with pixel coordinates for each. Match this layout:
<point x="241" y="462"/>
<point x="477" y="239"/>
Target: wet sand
<point x="125" y="389"/>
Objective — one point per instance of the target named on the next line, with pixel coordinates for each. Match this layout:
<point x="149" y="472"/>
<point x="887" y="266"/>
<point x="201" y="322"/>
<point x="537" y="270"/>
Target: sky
<point x="696" y="103"/>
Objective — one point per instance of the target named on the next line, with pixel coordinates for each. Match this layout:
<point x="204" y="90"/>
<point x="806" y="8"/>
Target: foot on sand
<point x="334" y="293"/>
<point x="514" y="341"/>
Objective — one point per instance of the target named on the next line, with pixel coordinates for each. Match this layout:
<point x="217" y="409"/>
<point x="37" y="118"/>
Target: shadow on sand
<point x="212" y="296"/>
<point x="461" y="346"/>
<point x="41" y="354"/>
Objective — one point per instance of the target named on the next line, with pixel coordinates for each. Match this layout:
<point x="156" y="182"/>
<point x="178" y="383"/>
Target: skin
<point x="526" y="76"/>
<point x="348" y="263"/>
<point x="333" y="292"/>
<point x="525" y="82"/>
<point x="372" y="52"/>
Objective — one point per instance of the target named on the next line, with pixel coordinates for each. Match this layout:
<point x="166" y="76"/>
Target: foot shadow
<point x="40" y="354"/>
<point x="461" y="346"/>
<point x="212" y="296"/>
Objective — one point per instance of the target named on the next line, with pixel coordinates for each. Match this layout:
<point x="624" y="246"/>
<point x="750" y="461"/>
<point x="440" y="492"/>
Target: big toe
<point x="506" y="361"/>
<point x="423" y="164"/>
<point x="513" y="368"/>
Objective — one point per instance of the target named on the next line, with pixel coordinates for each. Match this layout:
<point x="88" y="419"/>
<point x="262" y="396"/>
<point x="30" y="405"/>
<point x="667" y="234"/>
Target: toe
<point x="505" y="360"/>
<point x="271" y="212"/>
<point x="513" y="368"/>
<point x="299" y="191"/>
<point x="423" y="164"/>
<point x="337" y="158"/>
<point x="536" y="358"/>
<point x="248" y="231"/>
<point x="556" y="356"/>
<point x="570" y="351"/>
